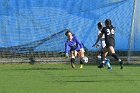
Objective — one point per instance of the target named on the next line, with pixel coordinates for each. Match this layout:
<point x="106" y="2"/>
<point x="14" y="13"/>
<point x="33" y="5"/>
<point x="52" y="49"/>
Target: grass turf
<point x="61" y="78"/>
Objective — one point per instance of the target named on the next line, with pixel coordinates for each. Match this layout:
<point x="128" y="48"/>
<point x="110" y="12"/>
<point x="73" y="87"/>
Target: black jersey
<point x="109" y="33"/>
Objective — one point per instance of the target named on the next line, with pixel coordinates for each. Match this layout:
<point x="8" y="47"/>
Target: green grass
<point x="61" y="78"/>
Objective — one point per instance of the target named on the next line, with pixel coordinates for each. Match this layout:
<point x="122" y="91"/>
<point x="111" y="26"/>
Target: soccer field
<point x="61" y="78"/>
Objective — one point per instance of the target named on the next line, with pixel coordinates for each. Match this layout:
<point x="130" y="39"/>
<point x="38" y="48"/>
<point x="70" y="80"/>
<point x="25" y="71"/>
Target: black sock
<point x="81" y="60"/>
<point x="115" y="56"/>
<point x="102" y="57"/>
<point x="72" y="60"/>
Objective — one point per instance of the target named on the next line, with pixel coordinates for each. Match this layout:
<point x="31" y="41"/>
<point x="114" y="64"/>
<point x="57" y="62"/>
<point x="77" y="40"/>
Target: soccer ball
<point x="86" y="59"/>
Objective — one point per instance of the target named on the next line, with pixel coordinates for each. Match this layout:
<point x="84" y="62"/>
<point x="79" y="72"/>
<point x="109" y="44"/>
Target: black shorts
<point x="110" y="43"/>
<point x="73" y="48"/>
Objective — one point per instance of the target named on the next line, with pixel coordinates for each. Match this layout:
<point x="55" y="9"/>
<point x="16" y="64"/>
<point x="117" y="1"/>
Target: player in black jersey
<point x="109" y="32"/>
<point x="102" y="46"/>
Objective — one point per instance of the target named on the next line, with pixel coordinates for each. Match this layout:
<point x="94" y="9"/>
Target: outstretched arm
<point x="66" y="48"/>
<point x="99" y="36"/>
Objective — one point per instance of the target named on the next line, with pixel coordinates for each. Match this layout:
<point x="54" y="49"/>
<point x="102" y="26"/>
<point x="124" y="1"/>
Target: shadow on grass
<point x="48" y="68"/>
<point x="42" y="69"/>
<point x="82" y="81"/>
<point x="101" y="76"/>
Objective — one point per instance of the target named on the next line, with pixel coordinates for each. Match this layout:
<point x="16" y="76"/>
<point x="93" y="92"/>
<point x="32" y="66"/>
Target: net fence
<point x="35" y="28"/>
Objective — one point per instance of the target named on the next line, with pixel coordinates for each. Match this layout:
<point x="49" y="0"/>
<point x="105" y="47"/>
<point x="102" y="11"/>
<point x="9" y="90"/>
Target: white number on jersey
<point x="110" y="32"/>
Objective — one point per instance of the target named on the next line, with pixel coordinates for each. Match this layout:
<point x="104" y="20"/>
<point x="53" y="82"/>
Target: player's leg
<point x="114" y="55"/>
<point x="103" y="56"/>
<point x="98" y="55"/>
<point x="107" y="61"/>
<point x="81" y="56"/>
<point x="73" y="55"/>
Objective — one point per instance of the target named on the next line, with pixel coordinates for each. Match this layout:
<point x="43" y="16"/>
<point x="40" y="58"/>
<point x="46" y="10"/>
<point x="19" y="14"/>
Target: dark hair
<point x="67" y="31"/>
<point x="108" y="22"/>
<point x="100" y="25"/>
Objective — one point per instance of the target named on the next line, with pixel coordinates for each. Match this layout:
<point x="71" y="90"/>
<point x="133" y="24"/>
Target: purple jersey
<point x="72" y="45"/>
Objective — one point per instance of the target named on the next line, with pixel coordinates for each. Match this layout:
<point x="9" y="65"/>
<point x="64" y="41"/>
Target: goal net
<point x="134" y="45"/>
<point x="35" y="29"/>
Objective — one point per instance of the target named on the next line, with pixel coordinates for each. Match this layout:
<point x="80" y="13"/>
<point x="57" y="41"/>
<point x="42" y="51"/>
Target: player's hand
<point x="97" y="46"/>
<point x="67" y="55"/>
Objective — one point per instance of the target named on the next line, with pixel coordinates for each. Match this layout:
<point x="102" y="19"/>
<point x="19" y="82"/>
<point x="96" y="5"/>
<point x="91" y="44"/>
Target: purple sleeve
<point x="79" y="42"/>
<point x="66" y="47"/>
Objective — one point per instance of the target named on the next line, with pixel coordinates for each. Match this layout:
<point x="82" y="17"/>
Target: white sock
<point x="119" y="60"/>
<point x="108" y="64"/>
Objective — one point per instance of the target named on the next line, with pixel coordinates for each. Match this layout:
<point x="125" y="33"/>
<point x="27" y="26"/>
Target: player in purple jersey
<point x="74" y="47"/>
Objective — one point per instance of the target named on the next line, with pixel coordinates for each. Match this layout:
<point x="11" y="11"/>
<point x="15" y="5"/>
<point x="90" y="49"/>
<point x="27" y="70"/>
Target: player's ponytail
<point x="100" y="26"/>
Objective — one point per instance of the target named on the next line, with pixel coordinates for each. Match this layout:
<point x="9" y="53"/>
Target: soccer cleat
<point x="101" y="65"/>
<point x="72" y="65"/>
<point x="81" y="66"/>
<point x="121" y="64"/>
<point x="109" y="68"/>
